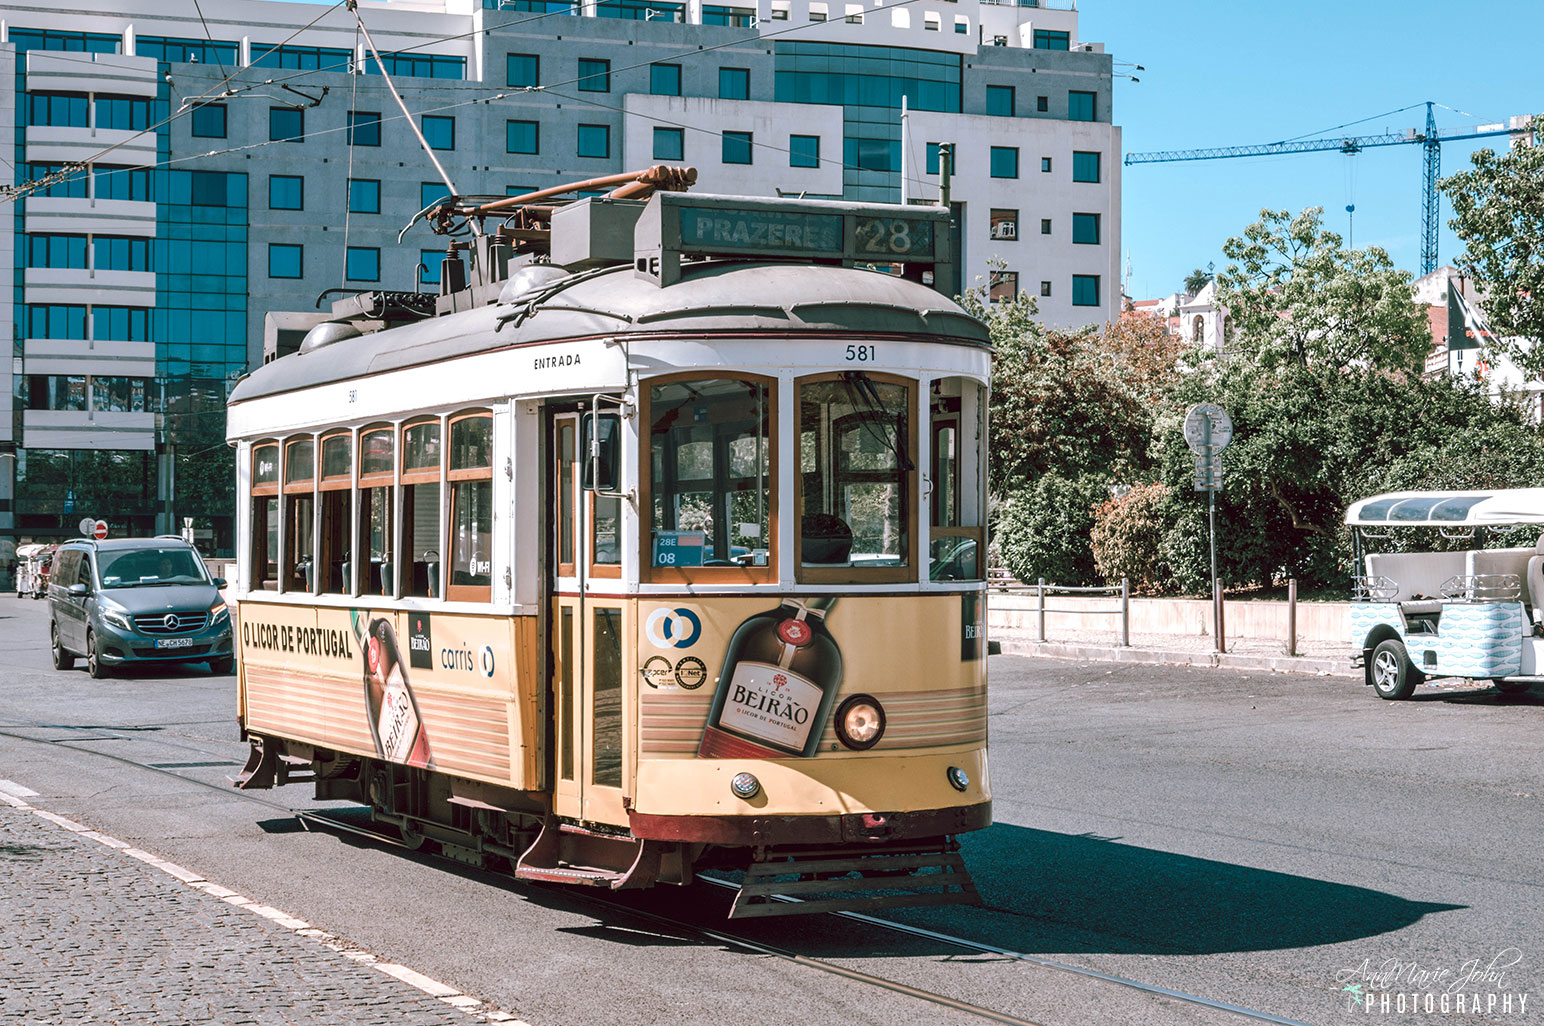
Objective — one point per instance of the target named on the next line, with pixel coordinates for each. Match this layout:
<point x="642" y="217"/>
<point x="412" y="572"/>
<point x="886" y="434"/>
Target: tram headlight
<point x="860" y="722"/>
<point x="958" y="778"/>
<point x="745" y="785"/>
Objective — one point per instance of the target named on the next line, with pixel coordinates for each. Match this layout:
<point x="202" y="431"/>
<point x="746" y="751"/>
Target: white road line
<point x="12" y="793"/>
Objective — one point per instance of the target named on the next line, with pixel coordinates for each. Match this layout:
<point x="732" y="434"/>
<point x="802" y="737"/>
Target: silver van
<point x="130" y="600"/>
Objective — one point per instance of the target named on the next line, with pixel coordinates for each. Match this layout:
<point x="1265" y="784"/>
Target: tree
<point x="1498" y="208"/>
<point x="1294" y="296"/>
<point x="1197" y="280"/>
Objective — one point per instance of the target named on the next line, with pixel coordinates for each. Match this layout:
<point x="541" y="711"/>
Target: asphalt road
<point x="1264" y="841"/>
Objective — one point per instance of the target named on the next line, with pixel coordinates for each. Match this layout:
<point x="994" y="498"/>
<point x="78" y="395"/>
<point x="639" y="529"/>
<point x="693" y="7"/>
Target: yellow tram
<point x="663" y="554"/>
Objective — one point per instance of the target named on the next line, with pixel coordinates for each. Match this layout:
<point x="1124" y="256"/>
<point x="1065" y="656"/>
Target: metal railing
<point x="1041" y="590"/>
<point x="1482" y="588"/>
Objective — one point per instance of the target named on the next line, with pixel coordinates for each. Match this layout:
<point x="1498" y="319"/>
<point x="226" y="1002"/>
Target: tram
<point x="654" y="544"/>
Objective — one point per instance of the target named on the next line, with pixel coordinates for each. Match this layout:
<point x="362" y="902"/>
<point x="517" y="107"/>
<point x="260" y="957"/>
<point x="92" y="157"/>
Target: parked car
<point x="131" y="600"/>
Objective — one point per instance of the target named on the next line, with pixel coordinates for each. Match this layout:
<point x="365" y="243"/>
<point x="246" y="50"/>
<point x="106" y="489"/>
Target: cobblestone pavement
<point x="90" y="934"/>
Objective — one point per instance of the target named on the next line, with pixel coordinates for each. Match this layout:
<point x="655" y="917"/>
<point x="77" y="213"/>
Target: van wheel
<point x="1392" y="675"/>
<point x="62" y="659"/>
<point x="93" y="657"/>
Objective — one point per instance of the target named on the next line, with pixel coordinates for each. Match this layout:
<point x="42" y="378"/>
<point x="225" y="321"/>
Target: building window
<point x="1045" y="226"/>
<point x="122" y="113"/>
<point x="669" y="144"/>
<point x="364" y="128"/>
<point x="665" y="79"/>
<point x="121" y="253"/>
<point x="286" y="123"/>
<point x="77" y="42"/>
<point x="1080" y="106"/>
<point x="286" y="192"/>
<point x="430" y="193"/>
<point x="594" y="75"/>
<point x="72" y="184"/>
<point x="933" y="150"/>
<point x="734" y="83"/>
<point x="57" y="251"/>
<point x="56" y="321"/>
<point x="58" y="110"/>
<point x="439" y="132"/>
<point x="120" y="323"/>
<point x="1045" y="288"/>
<point x="523" y="70"/>
<point x="419" y="65"/>
<point x="121" y="183"/>
<point x="1045" y="165"/>
<point x="1046" y="39"/>
<point x="1085" y="290"/>
<point x="364" y="196"/>
<point x="522" y="136"/>
<point x="284" y="260"/>
<point x="363" y="263"/>
<point x="1005" y="223"/>
<point x="1005" y="162"/>
<point x="734" y="17"/>
<point x="804" y="151"/>
<point x="431" y="259"/>
<point x="595" y="141"/>
<point x="1085" y="229"/>
<point x="1085" y="166"/>
<point x="301" y="58"/>
<point x="1003" y="286"/>
<point x="737" y="148"/>
<point x="961" y="27"/>
<point x="209" y="121"/>
<point x="999" y="101"/>
<point x="1042" y="104"/>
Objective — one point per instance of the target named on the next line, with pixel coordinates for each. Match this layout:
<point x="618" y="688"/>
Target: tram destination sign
<point x="674" y="225"/>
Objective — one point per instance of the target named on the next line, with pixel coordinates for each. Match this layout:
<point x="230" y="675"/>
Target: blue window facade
<point x="122" y="183"/>
<point x="286" y="192"/>
<point x="121" y="253"/>
<point x="522" y="137"/>
<point x="58" y="110"/>
<point x="1005" y="162"/>
<point x="595" y="141"/>
<point x="1085" y="290"/>
<point x="594" y="75"/>
<point x="933" y="150"/>
<point x="285" y="260"/>
<point x="1047" y="39"/>
<point x="76" y="42"/>
<point x="1082" y="106"/>
<point x="70" y="185"/>
<point x="122" y="113"/>
<point x="669" y="143"/>
<point x="362" y="263"/>
<point x="804" y="151"/>
<point x="419" y="65"/>
<point x="1085" y="166"/>
<point x="120" y="323"/>
<point x="286" y="124"/>
<point x="734" y="83"/>
<point x="734" y="17"/>
<point x="187" y="51"/>
<point x="632" y="10"/>
<point x="522" y="69"/>
<point x="737" y="148"/>
<point x="431" y="193"/>
<point x="364" y="128"/>
<point x="999" y="101"/>
<point x="364" y="196"/>
<point x="429" y="273"/>
<point x="57" y="251"/>
<point x="208" y="121"/>
<point x="665" y="79"/>
<point x="439" y="131"/>
<point x="301" y="58"/>
<point x="1085" y="229"/>
<point x="55" y="320"/>
<point x="200" y="325"/>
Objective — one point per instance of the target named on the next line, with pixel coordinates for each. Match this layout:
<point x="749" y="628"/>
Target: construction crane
<point x="1430" y="141"/>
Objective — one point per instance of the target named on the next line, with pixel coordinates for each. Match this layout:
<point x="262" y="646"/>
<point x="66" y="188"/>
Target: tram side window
<point x="471" y="508"/>
<point x="377" y="447"/>
<point x="605" y="510"/>
<point x="334" y="485"/>
<point x="299" y="511"/>
<point x="710" y="473"/>
<point x="957" y="419"/>
<point x="263" y="572"/>
<point x="855" y="478"/>
<point x="421" y="508"/>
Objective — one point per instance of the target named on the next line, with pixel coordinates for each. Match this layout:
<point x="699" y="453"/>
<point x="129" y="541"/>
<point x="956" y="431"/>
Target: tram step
<point x="819" y="882"/>
<point x="564" y="853"/>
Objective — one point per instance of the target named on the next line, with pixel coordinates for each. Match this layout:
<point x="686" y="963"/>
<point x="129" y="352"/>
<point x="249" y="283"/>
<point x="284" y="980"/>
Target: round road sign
<point x="87" y="525"/>
<point x="1208" y="428"/>
<point x="99" y="530"/>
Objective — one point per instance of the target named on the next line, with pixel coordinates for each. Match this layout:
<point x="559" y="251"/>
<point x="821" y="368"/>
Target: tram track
<point x="309" y="818"/>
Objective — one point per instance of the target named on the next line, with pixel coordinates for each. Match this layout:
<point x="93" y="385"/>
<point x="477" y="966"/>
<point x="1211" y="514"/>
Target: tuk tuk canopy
<point x="1497" y="508"/>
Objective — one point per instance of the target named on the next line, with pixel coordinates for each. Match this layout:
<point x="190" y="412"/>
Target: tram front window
<point x="855" y="473"/>
<point x="710" y="457"/>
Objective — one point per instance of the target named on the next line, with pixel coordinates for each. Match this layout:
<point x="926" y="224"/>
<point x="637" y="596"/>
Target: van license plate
<point x="173" y="642"/>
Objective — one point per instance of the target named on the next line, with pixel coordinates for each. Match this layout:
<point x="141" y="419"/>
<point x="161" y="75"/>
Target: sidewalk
<point x="1319" y="657"/>
<point x="94" y="931"/>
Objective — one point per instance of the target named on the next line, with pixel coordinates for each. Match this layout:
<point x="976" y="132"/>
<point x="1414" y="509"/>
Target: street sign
<point x="1208" y="428"/>
<point x="87" y="525"/>
<point x="99" y="530"/>
<point x="1208" y="475"/>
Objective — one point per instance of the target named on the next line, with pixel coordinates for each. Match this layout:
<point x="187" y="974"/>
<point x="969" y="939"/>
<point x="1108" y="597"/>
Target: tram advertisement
<point x="751" y="677"/>
<point x="398" y="684"/>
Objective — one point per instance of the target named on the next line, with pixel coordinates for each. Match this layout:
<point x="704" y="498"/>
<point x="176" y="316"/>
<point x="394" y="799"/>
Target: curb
<point x="1178" y="657"/>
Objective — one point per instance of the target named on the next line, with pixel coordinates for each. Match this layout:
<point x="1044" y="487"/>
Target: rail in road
<point x="77" y="738"/>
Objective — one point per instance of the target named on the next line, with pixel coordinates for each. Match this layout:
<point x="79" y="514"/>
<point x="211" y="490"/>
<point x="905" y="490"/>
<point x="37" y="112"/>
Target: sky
<point x="1237" y="72"/>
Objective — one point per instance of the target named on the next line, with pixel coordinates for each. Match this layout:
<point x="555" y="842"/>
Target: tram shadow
<point x="1085" y="893"/>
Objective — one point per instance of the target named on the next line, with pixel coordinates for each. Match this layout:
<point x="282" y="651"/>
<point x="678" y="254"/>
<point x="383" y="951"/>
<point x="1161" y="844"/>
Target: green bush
<point x="1127" y="539"/>
<point x="1043" y="529"/>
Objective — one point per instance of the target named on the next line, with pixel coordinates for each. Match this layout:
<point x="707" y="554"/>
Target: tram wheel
<point x="1392" y="675"/>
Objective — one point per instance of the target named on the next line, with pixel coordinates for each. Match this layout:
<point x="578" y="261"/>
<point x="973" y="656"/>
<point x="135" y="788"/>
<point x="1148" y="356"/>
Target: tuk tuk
<point x="1438" y="610"/>
<point x="33" y="563"/>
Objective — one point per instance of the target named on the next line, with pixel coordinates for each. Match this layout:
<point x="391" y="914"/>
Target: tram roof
<point x="1497" y="507"/>
<point x="719" y="297"/>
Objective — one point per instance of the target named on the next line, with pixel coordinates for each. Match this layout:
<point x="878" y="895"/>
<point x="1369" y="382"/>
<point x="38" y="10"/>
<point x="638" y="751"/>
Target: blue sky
<point x="1233" y="73"/>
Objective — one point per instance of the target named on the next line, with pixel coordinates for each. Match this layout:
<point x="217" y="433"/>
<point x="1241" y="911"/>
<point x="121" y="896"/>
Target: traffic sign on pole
<point x="99" y="530"/>
<point x="87" y="525"/>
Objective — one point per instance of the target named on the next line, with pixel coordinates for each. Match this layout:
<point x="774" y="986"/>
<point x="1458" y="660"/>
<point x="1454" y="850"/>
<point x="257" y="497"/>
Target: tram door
<point x="587" y="633"/>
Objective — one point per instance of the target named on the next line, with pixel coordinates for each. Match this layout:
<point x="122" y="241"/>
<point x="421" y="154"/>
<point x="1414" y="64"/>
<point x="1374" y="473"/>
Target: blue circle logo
<point x="674" y="628"/>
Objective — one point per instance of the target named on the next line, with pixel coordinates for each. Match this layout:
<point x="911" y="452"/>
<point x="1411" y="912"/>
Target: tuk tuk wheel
<point x="1392" y="675"/>
<point x="1511" y="687"/>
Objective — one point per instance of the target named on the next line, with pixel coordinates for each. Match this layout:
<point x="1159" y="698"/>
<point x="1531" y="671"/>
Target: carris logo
<point x="674" y="628"/>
